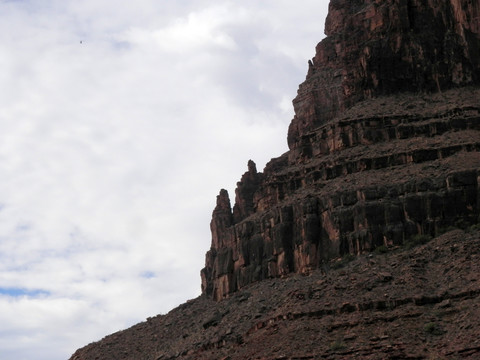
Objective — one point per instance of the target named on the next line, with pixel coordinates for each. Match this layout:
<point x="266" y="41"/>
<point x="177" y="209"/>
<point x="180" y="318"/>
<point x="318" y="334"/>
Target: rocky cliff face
<point x="385" y="47"/>
<point x="384" y="146"/>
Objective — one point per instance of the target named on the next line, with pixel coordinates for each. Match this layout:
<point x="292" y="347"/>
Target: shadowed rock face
<point x="384" y="47"/>
<point x="384" y="146"/>
<point x="385" y="171"/>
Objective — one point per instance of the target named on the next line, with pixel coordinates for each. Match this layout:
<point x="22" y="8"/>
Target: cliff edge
<point x="383" y="146"/>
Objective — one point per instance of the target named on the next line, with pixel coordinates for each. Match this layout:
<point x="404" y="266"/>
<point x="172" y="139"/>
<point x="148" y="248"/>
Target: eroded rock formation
<point x="384" y="146"/>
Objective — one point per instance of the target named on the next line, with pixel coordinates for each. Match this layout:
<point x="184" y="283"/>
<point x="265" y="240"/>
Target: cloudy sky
<point x="120" y="121"/>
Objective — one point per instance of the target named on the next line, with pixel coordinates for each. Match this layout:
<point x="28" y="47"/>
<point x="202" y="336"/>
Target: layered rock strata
<point x="366" y="179"/>
<point x="383" y="146"/>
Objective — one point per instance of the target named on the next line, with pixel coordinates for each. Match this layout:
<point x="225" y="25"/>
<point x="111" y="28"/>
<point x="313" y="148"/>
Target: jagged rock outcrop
<point x="384" y="145"/>
<point x="246" y="189"/>
<point x="378" y="179"/>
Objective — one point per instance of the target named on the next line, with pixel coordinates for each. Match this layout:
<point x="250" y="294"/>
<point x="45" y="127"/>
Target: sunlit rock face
<point x="384" y="146"/>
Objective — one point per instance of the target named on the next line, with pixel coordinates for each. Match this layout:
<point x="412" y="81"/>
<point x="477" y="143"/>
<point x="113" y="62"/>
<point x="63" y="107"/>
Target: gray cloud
<point x="113" y="150"/>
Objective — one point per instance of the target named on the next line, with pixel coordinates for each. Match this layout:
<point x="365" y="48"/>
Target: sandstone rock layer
<point x="381" y="173"/>
<point x="384" y="145"/>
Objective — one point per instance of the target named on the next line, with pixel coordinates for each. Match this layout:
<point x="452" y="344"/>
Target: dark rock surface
<point x="383" y="146"/>
<point x="385" y="47"/>
<point x="377" y="175"/>
<point x="408" y="303"/>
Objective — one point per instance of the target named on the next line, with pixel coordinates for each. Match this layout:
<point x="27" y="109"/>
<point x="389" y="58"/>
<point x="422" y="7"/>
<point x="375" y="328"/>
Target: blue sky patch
<point x="19" y="292"/>
<point x="148" y="274"/>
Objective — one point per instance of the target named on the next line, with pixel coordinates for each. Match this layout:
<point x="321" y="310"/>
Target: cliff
<point x="383" y="146"/>
<point x="385" y="47"/>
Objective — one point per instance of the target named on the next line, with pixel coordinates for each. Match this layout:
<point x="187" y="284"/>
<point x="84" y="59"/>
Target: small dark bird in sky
<point x="81" y="42"/>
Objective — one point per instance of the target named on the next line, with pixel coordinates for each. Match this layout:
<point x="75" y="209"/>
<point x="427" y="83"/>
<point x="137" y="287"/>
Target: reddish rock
<point x="245" y="191"/>
<point x="378" y="175"/>
<point x="387" y="118"/>
<point x="422" y="303"/>
<point x="384" y="47"/>
<point x="222" y="219"/>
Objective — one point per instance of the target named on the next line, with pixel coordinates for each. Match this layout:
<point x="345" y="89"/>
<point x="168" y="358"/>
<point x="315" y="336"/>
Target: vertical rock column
<point x="218" y="260"/>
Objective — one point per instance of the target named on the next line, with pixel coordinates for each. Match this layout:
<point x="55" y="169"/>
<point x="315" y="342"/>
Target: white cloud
<point x="199" y="31"/>
<point x="113" y="150"/>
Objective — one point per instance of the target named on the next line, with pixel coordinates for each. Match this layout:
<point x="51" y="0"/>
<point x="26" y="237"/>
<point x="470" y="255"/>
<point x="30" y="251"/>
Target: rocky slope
<point x="408" y="303"/>
<point x="384" y="155"/>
